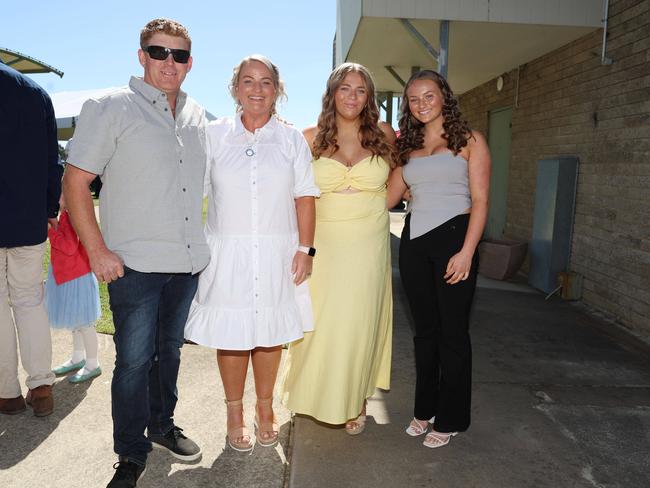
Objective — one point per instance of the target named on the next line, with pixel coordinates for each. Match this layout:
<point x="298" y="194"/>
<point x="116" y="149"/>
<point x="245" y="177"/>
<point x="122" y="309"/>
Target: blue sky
<point x="95" y="44"/>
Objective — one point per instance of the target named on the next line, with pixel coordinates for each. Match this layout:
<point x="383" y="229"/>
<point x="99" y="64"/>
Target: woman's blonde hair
<point x="280" y="94"/>
<point x="372" y="137"/>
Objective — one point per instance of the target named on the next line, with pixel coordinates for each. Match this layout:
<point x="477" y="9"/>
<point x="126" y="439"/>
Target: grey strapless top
<point x="439" y="189"/>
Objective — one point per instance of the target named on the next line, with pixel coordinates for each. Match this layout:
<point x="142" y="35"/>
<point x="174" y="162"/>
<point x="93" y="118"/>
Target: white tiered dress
<point x="246" y="297"/>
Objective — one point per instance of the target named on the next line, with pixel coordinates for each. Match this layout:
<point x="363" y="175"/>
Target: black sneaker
<point x="126" y="474"/>
<point x="177" y="444"/>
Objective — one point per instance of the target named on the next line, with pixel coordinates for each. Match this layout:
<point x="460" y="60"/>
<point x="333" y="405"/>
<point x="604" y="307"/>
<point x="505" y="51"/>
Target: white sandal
<point x="438" y="439"/>
<point x="418" y="427"/>
<point x="356" y="426"/>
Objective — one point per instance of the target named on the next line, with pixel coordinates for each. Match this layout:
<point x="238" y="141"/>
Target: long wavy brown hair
<point x="411" y="130"/>
<point x="372" y="137"/>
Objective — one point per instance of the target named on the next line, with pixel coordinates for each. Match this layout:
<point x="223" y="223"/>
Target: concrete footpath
<point x="561" y="399"/>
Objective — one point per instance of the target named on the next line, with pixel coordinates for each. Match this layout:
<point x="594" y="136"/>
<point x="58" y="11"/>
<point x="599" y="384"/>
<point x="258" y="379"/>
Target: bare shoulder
<point x="388" y="132"/>
<point x="477" y="140"/>
<point x="310" y="134"/>
<point x="477" y="148"/>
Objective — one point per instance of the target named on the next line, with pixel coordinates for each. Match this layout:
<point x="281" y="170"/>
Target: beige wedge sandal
<point x="238" y="437"/>
<point x="266" y="433"/>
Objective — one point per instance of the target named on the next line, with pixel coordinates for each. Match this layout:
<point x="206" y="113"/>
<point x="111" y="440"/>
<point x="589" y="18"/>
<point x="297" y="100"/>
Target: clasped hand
<point x="106" y="265"/>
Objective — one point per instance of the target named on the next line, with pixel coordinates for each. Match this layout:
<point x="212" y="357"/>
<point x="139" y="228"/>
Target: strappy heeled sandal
<point x="238" y="437"/>
<point x="418" y="427"/>
<point x="268" y="428"/>
<point x="438" y="439"/>
<point x="356" y="426"/>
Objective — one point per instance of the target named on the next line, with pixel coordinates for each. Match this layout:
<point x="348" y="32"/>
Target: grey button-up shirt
<point x="152" y="168"/>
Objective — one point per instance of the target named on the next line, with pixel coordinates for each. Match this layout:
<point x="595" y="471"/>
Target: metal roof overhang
<point x="478" y="51"/>
<point x="484" y="38"/>
<point x="26" y="64"/>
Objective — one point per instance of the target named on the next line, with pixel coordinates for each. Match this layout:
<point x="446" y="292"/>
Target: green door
<point x="499" y="132"/>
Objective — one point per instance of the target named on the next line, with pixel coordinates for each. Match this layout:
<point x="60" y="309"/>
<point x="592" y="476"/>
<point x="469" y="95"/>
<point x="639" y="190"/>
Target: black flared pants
<point x="443" y="351"/>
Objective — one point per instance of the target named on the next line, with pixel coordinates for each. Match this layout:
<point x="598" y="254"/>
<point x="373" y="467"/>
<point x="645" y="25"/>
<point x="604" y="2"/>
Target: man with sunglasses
<point x="147" y="143"/>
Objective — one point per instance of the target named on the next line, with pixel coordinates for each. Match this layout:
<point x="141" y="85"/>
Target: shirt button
<point x="186" y="219"/>
<point x="183" y="189"/>
<point x="188" y="246"/>
<point x="181" y="161"/>
<point x="165" y="109"/>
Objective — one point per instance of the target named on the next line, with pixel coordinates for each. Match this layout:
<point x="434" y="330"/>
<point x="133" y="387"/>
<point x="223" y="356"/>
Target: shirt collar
<point x="153" y="94"/>
<point x="269" y="126"/>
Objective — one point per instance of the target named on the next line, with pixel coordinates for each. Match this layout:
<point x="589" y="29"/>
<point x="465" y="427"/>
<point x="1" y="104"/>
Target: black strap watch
<point x="310" y="251"/>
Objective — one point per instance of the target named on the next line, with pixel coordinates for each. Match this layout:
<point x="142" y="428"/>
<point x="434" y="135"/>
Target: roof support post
<point x="379" y="98"/>
<point x="444" y="48"/>
<point x="397" y="77"/>
<point x="419" y="38"/>
<point x="440" y="57"/>
<point x="389" y="108"/>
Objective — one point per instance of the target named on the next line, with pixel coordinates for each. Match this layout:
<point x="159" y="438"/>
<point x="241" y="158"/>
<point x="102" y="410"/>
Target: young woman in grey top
<point x="446" y="167"/>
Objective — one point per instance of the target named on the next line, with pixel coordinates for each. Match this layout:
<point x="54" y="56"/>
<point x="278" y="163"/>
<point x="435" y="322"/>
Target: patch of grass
<point x="105" y="323"/>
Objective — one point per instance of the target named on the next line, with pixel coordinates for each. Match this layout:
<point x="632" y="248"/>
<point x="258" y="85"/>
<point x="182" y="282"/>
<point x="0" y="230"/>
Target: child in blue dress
<point x="72" y="300"/>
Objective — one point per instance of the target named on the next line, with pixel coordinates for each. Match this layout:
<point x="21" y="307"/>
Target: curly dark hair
<point x="372" y="137"/>
<point x="411" y="133"/>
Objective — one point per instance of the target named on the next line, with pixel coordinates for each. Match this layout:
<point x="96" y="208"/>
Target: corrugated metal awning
<point x="26" y="64"/>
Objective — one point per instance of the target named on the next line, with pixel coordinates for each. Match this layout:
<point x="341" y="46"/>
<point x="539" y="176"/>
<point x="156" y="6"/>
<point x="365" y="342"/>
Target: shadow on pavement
<point x="23" y="433"/>
<point x="230" y="469"/>
<point x="559" y="399"/>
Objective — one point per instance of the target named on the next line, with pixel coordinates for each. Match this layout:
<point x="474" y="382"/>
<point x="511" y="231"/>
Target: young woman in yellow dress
<point x="333" y="371"/>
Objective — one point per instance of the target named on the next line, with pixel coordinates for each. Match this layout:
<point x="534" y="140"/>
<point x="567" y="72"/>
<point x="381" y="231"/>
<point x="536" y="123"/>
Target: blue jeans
<point x="149" y="312"/>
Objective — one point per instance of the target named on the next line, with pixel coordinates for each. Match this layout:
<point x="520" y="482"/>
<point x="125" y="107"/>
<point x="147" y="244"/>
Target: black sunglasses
<point x="161" y="53"/>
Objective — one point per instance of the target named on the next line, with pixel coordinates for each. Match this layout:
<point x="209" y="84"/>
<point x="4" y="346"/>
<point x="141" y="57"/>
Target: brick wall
<point x="568" y="104"/>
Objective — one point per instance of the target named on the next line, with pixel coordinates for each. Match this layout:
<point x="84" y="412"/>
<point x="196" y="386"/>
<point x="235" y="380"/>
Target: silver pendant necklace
<point x="251" y="140"/>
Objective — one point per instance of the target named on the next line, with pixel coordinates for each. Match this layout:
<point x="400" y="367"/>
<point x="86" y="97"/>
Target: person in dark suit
<point x="30" y="187"/>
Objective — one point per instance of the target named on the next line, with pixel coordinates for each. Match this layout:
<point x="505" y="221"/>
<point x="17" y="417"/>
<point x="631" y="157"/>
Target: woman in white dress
<point x="253" y="297"/>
